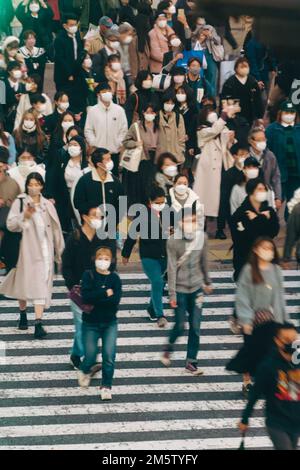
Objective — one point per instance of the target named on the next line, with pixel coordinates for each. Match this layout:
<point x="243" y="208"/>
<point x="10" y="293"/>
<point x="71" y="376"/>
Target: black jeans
<point x="116" y="159"/>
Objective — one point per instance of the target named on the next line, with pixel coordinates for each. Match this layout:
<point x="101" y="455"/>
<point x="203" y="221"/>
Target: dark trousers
<point x="191" y="304"/>
<point x="283" y="440"/>
<point x="116" y="159"/>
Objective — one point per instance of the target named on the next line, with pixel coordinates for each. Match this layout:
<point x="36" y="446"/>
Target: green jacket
<point x="82" y="8"/>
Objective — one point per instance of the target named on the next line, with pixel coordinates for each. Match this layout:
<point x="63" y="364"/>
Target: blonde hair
<point x="103" y="251"/>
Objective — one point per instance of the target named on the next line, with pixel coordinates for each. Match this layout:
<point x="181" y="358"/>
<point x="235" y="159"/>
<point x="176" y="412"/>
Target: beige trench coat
<point x="27" y="280"/>
<point x="170" y="137"/>
<point x="213" y="142"/>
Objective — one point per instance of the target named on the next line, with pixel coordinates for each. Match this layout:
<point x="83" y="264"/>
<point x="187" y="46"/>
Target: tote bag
<point x="131" y="158"/>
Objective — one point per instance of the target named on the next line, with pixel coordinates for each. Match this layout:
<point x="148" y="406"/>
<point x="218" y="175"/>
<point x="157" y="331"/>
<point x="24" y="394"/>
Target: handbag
<point x="76" y="297"/>
<point x="262" y="317"/>
<point x="131" y="158"/>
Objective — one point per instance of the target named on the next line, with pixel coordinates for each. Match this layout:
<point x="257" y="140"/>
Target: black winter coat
<point x="65" y="63"/>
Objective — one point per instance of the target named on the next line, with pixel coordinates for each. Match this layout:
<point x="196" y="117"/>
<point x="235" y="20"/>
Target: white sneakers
<point x="105" y="394"/>
<point x="83" y="379"/>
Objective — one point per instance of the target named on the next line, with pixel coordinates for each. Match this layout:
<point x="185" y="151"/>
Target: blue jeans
<point x="154" y="270"/>
<point x="91" y="333"/>
<point x="77" y="349"/>
<point x="192" y="304"/>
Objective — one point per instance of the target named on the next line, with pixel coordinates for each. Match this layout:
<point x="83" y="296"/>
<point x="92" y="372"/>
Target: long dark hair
<point x="3" y="136"/>
<point x="34" y="176"/>
<point x="257" y="277"/>
<point x="156" y="120"/>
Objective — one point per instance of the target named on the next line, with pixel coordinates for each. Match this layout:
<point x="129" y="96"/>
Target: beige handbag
<point x="131" y="158"/>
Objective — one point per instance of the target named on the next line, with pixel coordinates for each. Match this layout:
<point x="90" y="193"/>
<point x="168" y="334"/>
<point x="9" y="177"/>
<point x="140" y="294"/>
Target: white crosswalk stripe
<point x="42" y="406"/>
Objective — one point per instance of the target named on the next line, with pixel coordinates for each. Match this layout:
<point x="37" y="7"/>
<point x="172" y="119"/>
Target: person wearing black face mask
<point x="278" y="379"/>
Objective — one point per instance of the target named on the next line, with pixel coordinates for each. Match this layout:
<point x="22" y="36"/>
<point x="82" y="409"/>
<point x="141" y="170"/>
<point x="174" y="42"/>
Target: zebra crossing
<point x="153" y="408"/>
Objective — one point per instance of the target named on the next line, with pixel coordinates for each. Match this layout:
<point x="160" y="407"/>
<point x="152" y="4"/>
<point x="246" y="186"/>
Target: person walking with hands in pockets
<point x="102" y="289"/>
<point x="188" y="279"/>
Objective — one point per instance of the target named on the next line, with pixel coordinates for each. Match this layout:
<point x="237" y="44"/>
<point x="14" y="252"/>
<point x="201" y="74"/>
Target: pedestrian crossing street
<point x="42" y="407"/>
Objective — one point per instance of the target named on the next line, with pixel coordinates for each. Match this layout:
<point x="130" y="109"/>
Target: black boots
<point x="39" y="331"/>
<point x="23" y="323"/>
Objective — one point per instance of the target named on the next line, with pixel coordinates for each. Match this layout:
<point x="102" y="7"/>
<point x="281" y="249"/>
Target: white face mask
<point x="261" y="196"/>
<point x="179" y="79"/>
<point x="150" y="117"/>
<point x="34" y="192"/>
<point x="265" y="255"/>
<point x="261" y="146"/>
<point x="27" y="163"/>
<point x="88" y="63"/>
<point x="106" y="97"/>
<point x="74" y="151"/>
<point x="73" y="29"/>
<point x="17" y="74"/>
<point x="102" y="264"/>
<point x="181" y="189"/>
<point x="241" y="162"/>
<point x="181" y="98"/>
<point x="109" y="165"/>
<point x="114" y="44"/>
<point x="95" y="224"/>
<point x="66" y="125"/>
<point x="34" y="7"/>
<point x="212" y="118"/>
<point x="162" y="24"/>
<point x="252" y="173"/>
<point x="147" y="84"/>
<point x="42" y="108"/>
<point x="288" y="118"/>
<point x="128" y="40"/>
<point x="63" y="106"/>
<point x="172" y="10"/>
<point x="158" y="207"/>
<point x="116" y="66"/>
<point x="175" y="42"/>
<point x="169" y="107"/>
<point x="29" y="125"/>
<point x="171" y="171"/>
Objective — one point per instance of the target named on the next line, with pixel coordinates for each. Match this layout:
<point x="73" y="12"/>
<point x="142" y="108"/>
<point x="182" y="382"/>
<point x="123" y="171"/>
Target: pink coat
<point x="159" y="45"/>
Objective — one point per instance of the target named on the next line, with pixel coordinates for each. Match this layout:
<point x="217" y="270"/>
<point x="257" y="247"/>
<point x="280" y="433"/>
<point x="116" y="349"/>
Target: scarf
<point x="117" y="82"/>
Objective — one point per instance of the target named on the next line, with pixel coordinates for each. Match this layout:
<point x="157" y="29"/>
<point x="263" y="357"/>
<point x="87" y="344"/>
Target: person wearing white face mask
<point x="99" y="187"/>
<point x="166" y="171"/>
<point x="36" y="16"/>
<point x="254" y="218"/>
<point x="159" y="42"/>
<point x="65" y="170"/>
<point x="35" y="57"/>
<point x="259" y="304"/>
<point x="136" y="184"/>
<point x="77" y="258"/>
<point x="26" y="165"/>
<point x="62" y="104"/>
<point x="68" y="48"/>
<point x="85" y="82"/>
<point x="59" y="136"/>
<point x="102" y="289"/>
<point x="14" y="89"/>
<point x="152" y="247"/>
<point x="114" y="75"/>
<point x="106" y="124"/>
<point x="172" y="133"/>
<point x="214" y="141"/>
<point x="42" y="243"/>
<point x="268" y="162"/>
<point x="183" y="197"/>
<point x="283" y="139"/>
<point x="29" y="135"/>
<point x="112" y="45"/>
<point x="130" y="58"/>
<point x="188" y="279"/>
<point x="251" y="170"/>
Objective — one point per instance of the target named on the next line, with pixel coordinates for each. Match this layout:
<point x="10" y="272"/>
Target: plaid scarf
<point x="117" y="83"/>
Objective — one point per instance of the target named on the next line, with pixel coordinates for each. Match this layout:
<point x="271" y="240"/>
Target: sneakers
<point x="151" y="313"/>
<point x="166" y="359"/>
<point x="39" y="331"/>
<point x="220" y="235"/>
<point x="83" y="379"/>
<point x="162" y="322"/>
<point x="105" y="394"/>
<point x="75" y="362"/>
<point x="234" y="326"/>
<point x="193" y="369"/>
<point x="23" y="323"/>
<point x="95" y="368"/>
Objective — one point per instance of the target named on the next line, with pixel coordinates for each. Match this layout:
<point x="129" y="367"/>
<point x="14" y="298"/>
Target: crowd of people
<point x="195" y="127"/>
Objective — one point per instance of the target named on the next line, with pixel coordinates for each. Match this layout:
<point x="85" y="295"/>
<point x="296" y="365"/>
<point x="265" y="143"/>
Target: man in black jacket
<point x="99" y="187"/>
<point x="67" y="49"/>
<point x="244" y="87"/>
<point x="77" y="258"/>
<point x="278" y="379"/>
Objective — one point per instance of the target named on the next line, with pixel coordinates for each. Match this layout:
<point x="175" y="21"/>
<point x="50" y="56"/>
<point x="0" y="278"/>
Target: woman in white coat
<point x="214" y="140"/>
<point x="42" y="243"/>
<point x="183" y="197"/>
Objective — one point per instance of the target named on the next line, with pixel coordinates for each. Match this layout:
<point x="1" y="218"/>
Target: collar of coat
<point x="95" y="177"/>
<point x="192" y="197"/>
